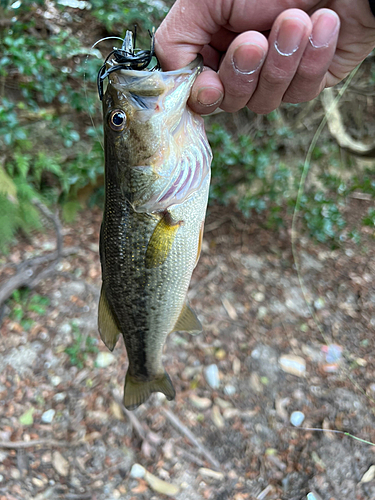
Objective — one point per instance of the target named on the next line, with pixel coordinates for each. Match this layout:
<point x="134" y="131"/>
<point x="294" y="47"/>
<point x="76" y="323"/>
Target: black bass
<point x="157" y="175"/>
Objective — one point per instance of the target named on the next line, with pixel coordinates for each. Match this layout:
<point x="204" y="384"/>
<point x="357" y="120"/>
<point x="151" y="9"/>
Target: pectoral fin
<point x="188" y="322"/>
<point x="161" y="241"/>
<point x="108" y="329"/>
<point x="137" y="392"/>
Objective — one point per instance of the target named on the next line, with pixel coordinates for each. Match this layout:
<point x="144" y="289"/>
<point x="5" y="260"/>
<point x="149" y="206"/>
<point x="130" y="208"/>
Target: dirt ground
<point x="229" y="433"/>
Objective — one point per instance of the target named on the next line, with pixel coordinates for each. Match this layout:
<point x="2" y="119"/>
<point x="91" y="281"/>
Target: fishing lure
<point x="128" y="57"/>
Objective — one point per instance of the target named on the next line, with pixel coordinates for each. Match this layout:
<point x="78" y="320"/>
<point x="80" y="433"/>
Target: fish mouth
<point x="130" y="59"/>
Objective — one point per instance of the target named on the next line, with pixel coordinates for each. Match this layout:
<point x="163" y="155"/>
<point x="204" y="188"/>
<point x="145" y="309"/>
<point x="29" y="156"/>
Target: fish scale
<point x="153" y="219"/>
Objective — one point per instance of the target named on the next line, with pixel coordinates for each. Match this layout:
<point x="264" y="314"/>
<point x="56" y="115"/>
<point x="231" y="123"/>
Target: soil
<point x="247" y="293"/>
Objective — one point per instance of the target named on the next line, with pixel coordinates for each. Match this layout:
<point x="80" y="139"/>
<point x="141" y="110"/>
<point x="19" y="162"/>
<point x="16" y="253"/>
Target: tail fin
<point x="136" y="392"/>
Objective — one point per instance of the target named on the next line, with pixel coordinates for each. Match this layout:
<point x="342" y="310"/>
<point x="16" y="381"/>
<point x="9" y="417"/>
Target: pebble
<point x="1" y="478"/>
<point x="65" y="329"/>
<point x="59" y="396"/>
<point x="15" y="473"/>
<point x="333" y="352"/>
<point x="116" y="494"/>
<point x="211" y="474"/>
<point x="56" y="380"/>
<point x="296" y="418"/>
<point x="220" y="354"/>
<point x="259" y="297"/>
<point x="137" y="471"/>
<point x="262" y="312"/>
<point x="60" y="464"/>
<point x="295" y="365"/>
<point x="48" y="415"/>
<point x="255" y="382"/>
<point x="319" y="303"/>
<point x="157" y="484"/>
<point x="104" y="359"/>
<point x="236" y="366"/>
<point x="229" y="390"/>
<point x="37" y="482"/>
<point x="226" y="404"/>
<point x="200" y="403"/>
<point x="217" y="418"/>
<point x="369" y="475"/>
<point x="211" y="374"/>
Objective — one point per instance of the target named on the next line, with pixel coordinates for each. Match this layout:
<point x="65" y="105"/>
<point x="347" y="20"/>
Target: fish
<point x="157" y="176"/>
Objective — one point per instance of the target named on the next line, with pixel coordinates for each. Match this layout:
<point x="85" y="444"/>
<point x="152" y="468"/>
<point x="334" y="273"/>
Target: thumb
<point x="183" y="33"/>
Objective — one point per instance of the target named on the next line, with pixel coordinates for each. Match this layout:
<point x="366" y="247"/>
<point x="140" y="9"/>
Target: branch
<point x="337" y="128"/>
<point x="29" y="274"/>
<point x="187" y="433"/>
<point x="16" y="445"/>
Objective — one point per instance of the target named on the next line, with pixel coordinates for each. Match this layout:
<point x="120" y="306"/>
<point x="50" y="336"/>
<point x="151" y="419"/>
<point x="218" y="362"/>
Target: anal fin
<point x="188" y="322"/>
<point x="161" y="241"/>
<point x="108" y="329"/>
<point x="137" y="392"/>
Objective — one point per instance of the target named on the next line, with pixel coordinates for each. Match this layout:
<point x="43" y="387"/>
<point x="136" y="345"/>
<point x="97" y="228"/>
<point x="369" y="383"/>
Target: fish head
<point x="139" y="105"/>
<point x="143" y="113"/>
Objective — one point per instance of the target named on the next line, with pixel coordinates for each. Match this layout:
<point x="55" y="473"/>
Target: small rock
<point x="116" y="494"/>
<point x="259" y="297"/>
<point x="217" y="418"/>
<point x="46" y="457"/>
<point x="200" y="403"/>
<point x="333" y="352"/>
<point x="229" y="390"/>
<point x="262" y="312"/>
<point x="37" y="482"/>
<point x="319" y="303"/>
<point x="15" y="474"/>
<point x="48" y="415"/>
<point x="56" y="380"/>
<point x="104" y="359"/>
<point x="236" y="366"/>
<point x="255" y="382"/>
<point x="1" y="478"/>
<point x="211" y="374"/>
<point x="230" y="413"/>
<point x="361" y="362"/>
<point x="368" y="475"/>
<point x="226" y="404"/>
<point x="60" y="464"/>
<point x="211" y="474"/>
<point x="161" y="486"/>
<point x="59" y="396"/>
<point x="65" y="329"/>
<point x="296" y="418"/>
<point x="295" y="365"/>
<point x="220" y="354"/>
<point x="137" y="471"/>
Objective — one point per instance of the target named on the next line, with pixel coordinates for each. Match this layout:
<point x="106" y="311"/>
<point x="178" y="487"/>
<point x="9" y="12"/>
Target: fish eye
<point x="117" y="120"/>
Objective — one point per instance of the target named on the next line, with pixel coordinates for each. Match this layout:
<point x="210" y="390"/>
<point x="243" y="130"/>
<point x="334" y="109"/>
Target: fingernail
<point x="209" y="96"/>
<point x="289" y="36"/>
<point x="248" y="57"/>
<point x="324" y="29"/>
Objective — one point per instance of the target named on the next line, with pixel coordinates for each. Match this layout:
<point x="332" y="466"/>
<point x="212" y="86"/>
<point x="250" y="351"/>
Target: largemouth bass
<point x="157" y="174"/>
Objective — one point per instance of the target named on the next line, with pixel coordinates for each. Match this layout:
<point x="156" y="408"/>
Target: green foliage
<point x="81" y="347"/>
<point x="369" y="220"/>
<point x="25" y="306"/>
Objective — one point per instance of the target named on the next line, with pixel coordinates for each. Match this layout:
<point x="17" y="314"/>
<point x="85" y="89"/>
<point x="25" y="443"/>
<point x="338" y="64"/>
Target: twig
<point x="187" y="433"/>
<point x="190" y="456"/>
<point x="137" y="426"/>
<point x="27" y="272"/>
<point x="337" y="128"/>
<point x="16" y="445"/>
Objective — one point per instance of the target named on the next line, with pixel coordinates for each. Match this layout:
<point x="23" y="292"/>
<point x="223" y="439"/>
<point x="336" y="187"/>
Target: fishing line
<point x="300" y="192"/>
<point x="85" y="82"/>
<point x="335" y="431"/>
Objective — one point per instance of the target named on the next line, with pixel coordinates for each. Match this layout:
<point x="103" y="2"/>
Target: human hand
<point x="303" y="53"/>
